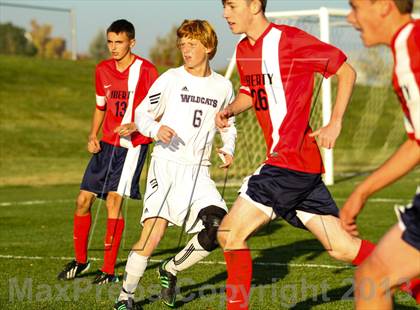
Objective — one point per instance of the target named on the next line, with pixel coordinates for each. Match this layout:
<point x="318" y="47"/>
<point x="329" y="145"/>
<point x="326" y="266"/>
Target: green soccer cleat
<point x="124" y="304"/>
<point x="168" y="284"/>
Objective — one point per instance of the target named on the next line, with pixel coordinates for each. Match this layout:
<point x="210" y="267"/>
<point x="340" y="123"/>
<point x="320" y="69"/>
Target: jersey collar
<point x="397" y="33"/>
<point x="261" y="37"/>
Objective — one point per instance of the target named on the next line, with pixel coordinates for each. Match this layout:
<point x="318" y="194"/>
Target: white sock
<point x="134" y="270"/>
<point x="188" y="256"/>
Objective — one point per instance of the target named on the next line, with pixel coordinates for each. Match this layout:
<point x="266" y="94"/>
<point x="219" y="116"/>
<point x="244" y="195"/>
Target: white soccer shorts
<point x="171" y="194"/>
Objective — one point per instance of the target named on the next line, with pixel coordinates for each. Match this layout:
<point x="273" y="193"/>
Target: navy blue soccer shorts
<point x="409" y="222"/>
<point x="115" y="169"/>
<point x="281" y="192"/>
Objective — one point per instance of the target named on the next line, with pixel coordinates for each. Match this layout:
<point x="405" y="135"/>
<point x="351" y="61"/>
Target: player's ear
<point x="255" y="6"/>
<point x="132" y="43"/>
<point x="386" y="7"/>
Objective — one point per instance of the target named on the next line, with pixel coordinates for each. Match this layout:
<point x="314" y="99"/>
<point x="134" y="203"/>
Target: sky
<point x="151" y="18"/>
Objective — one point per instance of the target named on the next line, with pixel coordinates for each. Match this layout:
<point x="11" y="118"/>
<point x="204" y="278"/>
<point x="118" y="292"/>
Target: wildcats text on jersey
<point x="198" y="99"/>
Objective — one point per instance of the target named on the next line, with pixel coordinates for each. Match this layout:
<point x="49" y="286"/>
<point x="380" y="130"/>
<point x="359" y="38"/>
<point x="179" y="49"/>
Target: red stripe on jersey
<point x="279" y="72"/>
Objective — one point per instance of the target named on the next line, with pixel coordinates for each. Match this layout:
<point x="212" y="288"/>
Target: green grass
<point x="47" y="106"/>
<point x="45" y="230"/>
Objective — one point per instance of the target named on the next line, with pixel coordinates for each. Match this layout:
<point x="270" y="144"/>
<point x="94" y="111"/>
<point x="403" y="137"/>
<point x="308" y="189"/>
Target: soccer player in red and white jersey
<point x="115" y="167"/>
<point x="389" y="22"/>
<point x="277" y="65"/>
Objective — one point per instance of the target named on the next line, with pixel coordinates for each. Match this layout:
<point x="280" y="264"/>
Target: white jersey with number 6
<point x="188" y="104"/>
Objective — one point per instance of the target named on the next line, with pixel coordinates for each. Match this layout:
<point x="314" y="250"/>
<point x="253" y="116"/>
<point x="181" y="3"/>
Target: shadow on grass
<point x="269" y="266"/>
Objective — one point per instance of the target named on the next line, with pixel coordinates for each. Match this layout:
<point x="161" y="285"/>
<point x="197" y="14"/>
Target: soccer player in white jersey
<point x="396" y="259"/>
<point x="114" y="169"/>
<point x="277" y="66"/>
<point x="179" y="113"/>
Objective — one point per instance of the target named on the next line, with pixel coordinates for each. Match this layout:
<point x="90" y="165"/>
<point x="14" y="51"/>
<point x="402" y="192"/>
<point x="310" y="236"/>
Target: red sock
<point x="411" y="287"/>
<point x="81" y="228"/>
<point x="366" y="248"/>
<point x="114" y="230"/>
<point x="238" y="284"/>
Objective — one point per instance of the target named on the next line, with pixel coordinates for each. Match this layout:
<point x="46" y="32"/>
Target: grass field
<point x="290" y="268"/>
<point x="46" y="107"/>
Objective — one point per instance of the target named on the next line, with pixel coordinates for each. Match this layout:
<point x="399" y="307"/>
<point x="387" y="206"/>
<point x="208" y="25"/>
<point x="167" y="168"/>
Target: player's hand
<point x="93" y="145"/>
<point x="349" y="212"/>
<point x="327" y="135"/>
<point x="165" y="134"/>
<point x="226" y="158"/>
<point x="126" y="129"/>
<point x="222" y="118"/>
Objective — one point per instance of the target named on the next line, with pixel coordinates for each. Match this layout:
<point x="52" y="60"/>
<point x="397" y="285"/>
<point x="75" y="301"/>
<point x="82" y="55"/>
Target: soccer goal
<point x="372" y="128"/>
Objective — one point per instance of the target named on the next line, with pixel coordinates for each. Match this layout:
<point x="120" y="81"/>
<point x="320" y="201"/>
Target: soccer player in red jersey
<point x="397" y="256"/>
<point x="114" y="169"/>
<point x="277" y="65"/>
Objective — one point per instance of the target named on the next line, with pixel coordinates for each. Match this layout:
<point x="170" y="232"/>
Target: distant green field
<point x="290" y="268"/>
<point x="47" y="107"/>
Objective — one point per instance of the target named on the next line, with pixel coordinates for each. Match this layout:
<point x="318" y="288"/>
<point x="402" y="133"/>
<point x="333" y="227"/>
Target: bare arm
<point x="328" y="135"/>
<point x="400" y="163"/>
<point x="93" y="142"/>
<point x="241" y="103"/>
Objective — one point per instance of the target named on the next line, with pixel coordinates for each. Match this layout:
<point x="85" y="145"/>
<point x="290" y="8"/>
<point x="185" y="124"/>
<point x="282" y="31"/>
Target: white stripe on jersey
<point x="133" y="79"/>
<point x="129" y="168"/>
<point x="407" y="81"/>
<point x="275" y="92"/>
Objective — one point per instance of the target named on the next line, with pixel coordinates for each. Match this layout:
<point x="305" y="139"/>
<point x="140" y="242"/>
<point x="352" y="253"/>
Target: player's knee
<point x="371" y="270"/>
<point x="113" y="204"/>
<point x="212" y="217"/>
<point x="83" y="204"/>
<point x="371" y="280"/>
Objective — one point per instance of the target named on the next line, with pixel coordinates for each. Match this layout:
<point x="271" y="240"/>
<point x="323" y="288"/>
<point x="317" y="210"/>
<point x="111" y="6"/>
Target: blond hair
<point x="200" y="30"/>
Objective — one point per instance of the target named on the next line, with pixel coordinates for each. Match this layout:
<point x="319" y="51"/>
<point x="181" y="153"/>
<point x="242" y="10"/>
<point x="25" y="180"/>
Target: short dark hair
<point x="122" y="25"/>
<point x="404" y="6"/>
<point x="263" y="4"/>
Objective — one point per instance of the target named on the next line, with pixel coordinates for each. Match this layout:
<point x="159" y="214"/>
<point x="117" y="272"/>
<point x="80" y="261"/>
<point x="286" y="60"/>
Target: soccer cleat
<point x="168" y="284"/>
<point x="124" y="304"/>
<point x="103" y="278"/>
<point x="73" y="270"/>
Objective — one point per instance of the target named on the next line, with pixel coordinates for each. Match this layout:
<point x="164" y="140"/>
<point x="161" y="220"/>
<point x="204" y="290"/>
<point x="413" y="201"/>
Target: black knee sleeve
<point x="212" y="217"/>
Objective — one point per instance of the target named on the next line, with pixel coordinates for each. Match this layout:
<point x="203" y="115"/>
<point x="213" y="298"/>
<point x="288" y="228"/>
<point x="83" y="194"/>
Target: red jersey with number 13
<point x="119" y="93"/>
<point x="278" y="72"/>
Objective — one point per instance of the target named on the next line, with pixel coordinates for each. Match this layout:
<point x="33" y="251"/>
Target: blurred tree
<point x="165" y="52"/>
<point x="55" y="48"/>
<point x="14" y="41"/>
<point x="416" y="6"/>
<point x="98" y="47"/>
<point x="40" y="36"/>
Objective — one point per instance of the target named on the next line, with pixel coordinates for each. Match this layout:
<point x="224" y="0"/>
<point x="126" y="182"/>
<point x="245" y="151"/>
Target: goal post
<point x="372" y="127"/>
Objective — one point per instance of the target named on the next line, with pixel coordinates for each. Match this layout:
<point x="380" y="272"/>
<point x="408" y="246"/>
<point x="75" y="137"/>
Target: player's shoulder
<point x="415" y="33"/>
<point x="172" y="73"/>
<point x="105" y="64"/>
<point x="146" y="63"/>
<point x="221" y="79"/>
